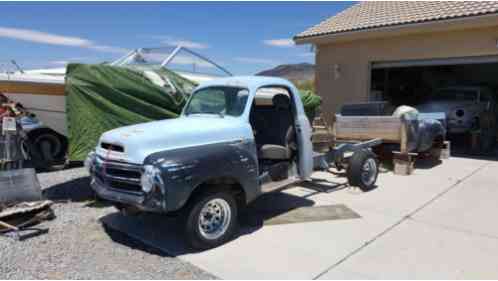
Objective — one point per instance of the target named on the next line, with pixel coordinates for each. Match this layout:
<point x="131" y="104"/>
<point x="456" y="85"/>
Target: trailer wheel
<point x="363" y="170"/>
<point x="211" y="219"/>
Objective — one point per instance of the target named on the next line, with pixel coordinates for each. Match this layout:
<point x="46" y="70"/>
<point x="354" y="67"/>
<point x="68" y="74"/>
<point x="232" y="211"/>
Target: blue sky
<point x="244" y="37"/>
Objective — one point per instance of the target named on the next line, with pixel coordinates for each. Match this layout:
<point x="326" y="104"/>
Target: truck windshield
<point x="218" y="100"/>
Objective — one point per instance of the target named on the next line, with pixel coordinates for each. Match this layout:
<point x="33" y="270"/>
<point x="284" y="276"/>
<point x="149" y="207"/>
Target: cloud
<point x="173" y="41"/>
<point x="59" y="62"/>
<point x="66" y="61"/>
<point x="285" y="43"/>
<point x="42" y="37"/>
<point x="256" y="61"/>
<point x="54" y="39"/>
<point x="109" y="49"/>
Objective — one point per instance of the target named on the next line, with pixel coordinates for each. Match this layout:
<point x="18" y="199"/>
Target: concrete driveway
<point x="438" y="223"/>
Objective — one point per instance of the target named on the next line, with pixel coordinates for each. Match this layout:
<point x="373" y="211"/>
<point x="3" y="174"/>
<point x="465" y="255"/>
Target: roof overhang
<point x="462" y="23"/>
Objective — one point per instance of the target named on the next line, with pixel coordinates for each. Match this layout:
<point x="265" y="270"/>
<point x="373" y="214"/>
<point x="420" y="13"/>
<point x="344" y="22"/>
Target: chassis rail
<point x="336" y="156"/>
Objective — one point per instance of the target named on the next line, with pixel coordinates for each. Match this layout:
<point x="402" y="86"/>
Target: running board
<point x="279" y="185"/>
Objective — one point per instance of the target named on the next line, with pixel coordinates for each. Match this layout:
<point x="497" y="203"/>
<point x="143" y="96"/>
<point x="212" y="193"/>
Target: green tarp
<point x="103" y="97"/>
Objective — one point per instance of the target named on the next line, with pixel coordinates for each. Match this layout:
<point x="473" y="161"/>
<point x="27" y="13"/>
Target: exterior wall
<point x="354" y="59"/>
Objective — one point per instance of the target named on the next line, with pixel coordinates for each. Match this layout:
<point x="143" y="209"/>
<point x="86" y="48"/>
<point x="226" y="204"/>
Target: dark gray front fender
<point x="185" y="169"/>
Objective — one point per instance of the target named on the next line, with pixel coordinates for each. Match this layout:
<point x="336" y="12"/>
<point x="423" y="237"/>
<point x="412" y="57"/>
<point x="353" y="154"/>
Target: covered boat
<point x="146" y="84"/>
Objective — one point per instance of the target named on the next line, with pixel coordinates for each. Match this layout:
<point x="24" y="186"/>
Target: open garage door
<point x="464" y="88"/>
<point x="435" y="62"/>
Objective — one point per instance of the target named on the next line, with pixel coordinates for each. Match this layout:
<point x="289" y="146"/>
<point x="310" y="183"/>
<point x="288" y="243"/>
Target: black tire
<point x="57" y="148"/>
<point x="356" y="167"/>
<point x="194" y="236"/>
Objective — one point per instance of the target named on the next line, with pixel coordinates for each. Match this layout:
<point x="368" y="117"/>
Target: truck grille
<point x="120" y="176"/>
<point x="112" y="147"/>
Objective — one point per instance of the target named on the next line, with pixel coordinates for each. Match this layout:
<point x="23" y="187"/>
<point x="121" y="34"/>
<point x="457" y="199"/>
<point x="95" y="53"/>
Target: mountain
<point x="295" y="72"/>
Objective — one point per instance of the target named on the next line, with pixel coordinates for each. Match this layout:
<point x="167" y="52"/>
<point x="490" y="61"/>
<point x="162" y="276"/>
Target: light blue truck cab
<point x="236" y="139"/>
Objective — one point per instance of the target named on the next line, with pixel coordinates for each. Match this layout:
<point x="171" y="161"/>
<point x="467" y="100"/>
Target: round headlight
<point x="150" y="177"/>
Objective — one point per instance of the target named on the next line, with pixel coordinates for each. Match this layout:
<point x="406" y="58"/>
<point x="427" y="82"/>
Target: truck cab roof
<point x="250" y="82"/>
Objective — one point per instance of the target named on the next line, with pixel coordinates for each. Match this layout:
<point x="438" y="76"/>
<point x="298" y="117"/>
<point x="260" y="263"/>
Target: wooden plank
<point x="34" y="88"/>
<point x="387" y="128"/>
<point x="8" y="226"/>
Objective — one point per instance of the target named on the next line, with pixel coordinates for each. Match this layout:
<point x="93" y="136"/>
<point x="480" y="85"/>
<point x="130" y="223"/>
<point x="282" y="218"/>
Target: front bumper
<point x="117" y="196"/>
<point x="154" y="201"/>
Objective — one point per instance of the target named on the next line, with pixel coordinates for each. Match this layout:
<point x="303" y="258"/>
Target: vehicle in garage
<point x="237" y="138"/>
<point x="465" y="90"/>
<point x="463" y="105"/>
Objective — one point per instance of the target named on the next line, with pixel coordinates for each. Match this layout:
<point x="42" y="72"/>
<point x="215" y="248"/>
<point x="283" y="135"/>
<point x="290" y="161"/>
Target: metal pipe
<point x="208" y="60"/>
<point x="171" y="56"/>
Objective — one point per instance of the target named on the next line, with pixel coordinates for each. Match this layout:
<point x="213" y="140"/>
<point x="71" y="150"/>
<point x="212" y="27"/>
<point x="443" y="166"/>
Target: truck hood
<point x="141" y="140"/>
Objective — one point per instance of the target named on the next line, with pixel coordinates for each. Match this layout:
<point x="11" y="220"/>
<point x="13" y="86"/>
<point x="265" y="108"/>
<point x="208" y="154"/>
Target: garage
<point x="435" y="56"/>
<point x="413" y="81"/>
<point x="464" y="88"/>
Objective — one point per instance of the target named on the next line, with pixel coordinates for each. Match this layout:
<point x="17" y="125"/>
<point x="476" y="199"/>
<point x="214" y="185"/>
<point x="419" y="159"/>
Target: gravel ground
<point x="78" y="246"/>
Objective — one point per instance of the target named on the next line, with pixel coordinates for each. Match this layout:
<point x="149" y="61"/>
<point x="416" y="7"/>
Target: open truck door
<point x="303" y="134"/>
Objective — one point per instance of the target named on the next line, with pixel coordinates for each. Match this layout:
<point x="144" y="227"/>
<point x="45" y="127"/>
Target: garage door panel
<point x="435" y="62"/>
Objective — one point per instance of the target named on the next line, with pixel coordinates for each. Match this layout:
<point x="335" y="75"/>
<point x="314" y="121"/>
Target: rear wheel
<point x="363" y="170"/>
<point x="211" y="219"/>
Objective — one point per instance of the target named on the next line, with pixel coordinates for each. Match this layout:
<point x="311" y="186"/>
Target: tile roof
<point x="368" y="15"/>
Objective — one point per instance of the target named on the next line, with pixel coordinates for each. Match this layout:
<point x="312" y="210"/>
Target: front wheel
<point x="363" y="170"/>
<point x="211" y="220"/>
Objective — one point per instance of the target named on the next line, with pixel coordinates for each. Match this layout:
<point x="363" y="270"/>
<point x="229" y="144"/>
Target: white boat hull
<point x="43" y="96"/>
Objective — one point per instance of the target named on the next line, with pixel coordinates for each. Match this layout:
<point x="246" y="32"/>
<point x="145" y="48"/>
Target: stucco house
<point x="403" y="50"/>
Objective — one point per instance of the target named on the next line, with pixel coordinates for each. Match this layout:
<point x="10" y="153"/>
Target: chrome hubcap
<point x="369" y="171"/>
<point x="214" y="218"/>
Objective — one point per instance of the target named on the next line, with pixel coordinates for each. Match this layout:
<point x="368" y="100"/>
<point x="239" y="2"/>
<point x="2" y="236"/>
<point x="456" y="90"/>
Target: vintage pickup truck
<point x="236" y="139"/>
